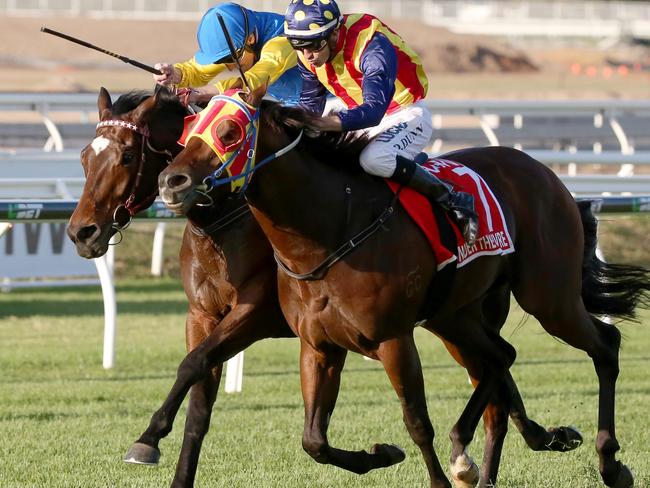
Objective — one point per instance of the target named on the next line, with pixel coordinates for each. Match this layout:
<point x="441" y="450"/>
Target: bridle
<point x="130" y="205"/>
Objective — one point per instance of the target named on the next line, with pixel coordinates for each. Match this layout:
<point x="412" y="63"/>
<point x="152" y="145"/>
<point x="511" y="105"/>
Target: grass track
<point x="65" y="422"/>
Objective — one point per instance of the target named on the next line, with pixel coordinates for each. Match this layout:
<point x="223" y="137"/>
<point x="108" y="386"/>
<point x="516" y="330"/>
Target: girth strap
<point x="319" y="272"/>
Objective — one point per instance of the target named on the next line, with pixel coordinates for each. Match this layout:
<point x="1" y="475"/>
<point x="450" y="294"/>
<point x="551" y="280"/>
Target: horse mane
<point x="128" y="101"/>
<point x="168" y="102"/>
<point x="339" y="149"/>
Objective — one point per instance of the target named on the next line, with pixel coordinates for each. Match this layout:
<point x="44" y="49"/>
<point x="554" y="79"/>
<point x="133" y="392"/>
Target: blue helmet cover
<point x="311" y="19"/>
<point x="210" y="37"/>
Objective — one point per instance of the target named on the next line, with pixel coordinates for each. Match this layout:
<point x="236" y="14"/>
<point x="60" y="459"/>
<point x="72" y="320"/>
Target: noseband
<point x="130" y="204"/>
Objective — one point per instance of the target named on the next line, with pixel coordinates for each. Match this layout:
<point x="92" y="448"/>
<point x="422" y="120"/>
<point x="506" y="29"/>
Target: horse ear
<point x="104" y="104"/>
<point x="140" y="114"/>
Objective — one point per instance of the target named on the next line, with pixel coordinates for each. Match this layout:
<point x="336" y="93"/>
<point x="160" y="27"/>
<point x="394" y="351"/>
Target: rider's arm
<point x="379" y="68"/>
<point x="313" y="95"/>
<point x="194" y="74"/>
<point x="277" y="56"/>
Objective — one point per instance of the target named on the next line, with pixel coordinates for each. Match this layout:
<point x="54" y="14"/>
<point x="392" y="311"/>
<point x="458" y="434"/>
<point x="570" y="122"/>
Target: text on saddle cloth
<point x="493" y="238"/>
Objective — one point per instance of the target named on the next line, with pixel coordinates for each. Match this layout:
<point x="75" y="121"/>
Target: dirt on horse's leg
<point x="402" y="364"/>
<point x="601" y="341"/>
<point x="320" y="375"/>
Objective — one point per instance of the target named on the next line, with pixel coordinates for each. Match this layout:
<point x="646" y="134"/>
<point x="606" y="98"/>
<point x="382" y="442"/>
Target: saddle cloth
<point x="493" y="237"/>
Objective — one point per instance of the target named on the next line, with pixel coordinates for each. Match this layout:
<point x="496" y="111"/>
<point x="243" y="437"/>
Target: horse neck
<point x="165" y="130"/>
<point x="236" y="248"/>
<point x="160" y="147"/>
<point x="302" y="203"/>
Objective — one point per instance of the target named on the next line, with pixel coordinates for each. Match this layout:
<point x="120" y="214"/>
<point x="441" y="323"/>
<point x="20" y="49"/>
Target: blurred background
<point x="500" y="48"/>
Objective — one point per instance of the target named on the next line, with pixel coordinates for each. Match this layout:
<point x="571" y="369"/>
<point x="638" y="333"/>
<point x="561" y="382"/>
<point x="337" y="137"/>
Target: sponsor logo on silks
<point x="392" y="132"/>
<point x="24" y="210"/>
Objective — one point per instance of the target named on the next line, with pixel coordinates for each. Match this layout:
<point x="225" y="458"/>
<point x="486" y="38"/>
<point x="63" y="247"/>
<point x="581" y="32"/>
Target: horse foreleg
<point x="402" y="364"/>
<point x="320" y="374"/>
<point x="145" y="450"/>
<point x="201" y="367"/>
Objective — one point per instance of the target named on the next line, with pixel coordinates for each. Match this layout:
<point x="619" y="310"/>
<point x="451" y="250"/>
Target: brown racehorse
<point x="227" y="265"/>
<point x="364" y="301"/>
<point x="222" y="249"/>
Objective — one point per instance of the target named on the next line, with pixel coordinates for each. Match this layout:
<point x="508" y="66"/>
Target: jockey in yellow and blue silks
<point x="264" y="53"/>
<point x="381" y="81"/>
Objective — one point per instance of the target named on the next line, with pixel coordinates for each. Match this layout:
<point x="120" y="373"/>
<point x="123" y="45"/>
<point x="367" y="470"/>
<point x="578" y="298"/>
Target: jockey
<point x="380" y="79"/>
<point x="264" y="54"/>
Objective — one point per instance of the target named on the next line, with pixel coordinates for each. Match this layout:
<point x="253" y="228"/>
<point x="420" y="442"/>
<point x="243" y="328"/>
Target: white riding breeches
<point x="405" y="132"/>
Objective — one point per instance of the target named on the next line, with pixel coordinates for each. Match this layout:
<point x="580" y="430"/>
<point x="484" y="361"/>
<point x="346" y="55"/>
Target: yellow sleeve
<point x="194" y="74"/>
<point x="277" y="56"/>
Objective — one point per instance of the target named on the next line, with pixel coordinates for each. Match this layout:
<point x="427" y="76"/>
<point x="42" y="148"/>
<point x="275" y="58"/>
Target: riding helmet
<point x="311" y="19"/>
<point x="213" y="45"/>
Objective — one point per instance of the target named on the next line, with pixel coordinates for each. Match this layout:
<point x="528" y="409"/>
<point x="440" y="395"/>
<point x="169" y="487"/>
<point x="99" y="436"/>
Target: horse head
<point x="135" y="138"/>
<point x="221" y="146"/>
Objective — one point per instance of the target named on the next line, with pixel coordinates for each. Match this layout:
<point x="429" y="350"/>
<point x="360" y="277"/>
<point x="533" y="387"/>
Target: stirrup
<point x="468" y="223"/>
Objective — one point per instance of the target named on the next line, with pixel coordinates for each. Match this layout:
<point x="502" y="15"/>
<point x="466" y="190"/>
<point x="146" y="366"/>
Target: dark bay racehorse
<point x="227" y="266"/>
<point x="365" y="301"/>
<point x="222" y="248"/>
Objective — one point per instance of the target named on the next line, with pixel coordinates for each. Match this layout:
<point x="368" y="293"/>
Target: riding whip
<point x="233" y="52"/>
<point x="132" y="62"/>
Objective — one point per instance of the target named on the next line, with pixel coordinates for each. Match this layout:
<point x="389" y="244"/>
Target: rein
<point x="319" y="272"/>
<point x="130" y="204"/>
<point x="221" y="223"/>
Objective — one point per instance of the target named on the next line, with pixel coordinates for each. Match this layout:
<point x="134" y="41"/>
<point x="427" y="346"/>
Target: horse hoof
<point x="142" y="454"/>
<point x="564" y="439"/>
<point x="625" y="478"/>
<point x="465" y="472"/>
<point x="391" y="453"/>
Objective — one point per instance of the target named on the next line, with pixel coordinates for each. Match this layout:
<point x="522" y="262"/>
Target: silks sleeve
<point x="194" y="74"/>
<point x="276" y="57"/>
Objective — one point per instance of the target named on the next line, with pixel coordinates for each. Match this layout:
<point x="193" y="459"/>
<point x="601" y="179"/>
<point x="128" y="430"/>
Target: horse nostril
<point x="178" y="181"/>
<point x="86" y="233"/>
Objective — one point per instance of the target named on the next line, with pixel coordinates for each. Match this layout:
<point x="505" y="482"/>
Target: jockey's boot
<point x="461" y="205"/>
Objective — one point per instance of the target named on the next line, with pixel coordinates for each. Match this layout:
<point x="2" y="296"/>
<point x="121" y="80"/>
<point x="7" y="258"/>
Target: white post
<point x="110" y="310"/>
<point x="235" y="374"/>
<point x="157" y="251"/>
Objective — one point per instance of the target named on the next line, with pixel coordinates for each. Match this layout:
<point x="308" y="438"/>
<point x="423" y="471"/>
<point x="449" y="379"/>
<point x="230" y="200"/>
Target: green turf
<point x="65" y="422"/>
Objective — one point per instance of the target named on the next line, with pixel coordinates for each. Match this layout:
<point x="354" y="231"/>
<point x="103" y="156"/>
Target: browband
<point x="123" y="123"/>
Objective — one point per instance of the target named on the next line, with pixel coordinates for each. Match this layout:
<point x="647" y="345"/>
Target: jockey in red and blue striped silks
<point x="382" y="84"/>
<point x="372" y="71"/>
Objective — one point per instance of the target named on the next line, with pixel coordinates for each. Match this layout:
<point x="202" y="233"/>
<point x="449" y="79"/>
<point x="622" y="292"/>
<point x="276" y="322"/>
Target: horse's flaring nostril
<point x="86" y="233"/>
<point x="177" y="181"/>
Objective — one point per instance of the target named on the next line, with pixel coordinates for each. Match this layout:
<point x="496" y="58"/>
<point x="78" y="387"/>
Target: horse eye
<point x="127" y="157"/>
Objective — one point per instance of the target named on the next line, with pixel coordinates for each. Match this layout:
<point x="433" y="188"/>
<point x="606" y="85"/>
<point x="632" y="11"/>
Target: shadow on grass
<point x="61" y="308"/>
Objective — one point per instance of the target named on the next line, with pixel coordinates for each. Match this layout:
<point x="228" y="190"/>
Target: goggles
<point x="314" y="45"/>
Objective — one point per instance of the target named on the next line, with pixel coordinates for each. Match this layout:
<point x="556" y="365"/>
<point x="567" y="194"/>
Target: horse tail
<point x="609" y="289"/>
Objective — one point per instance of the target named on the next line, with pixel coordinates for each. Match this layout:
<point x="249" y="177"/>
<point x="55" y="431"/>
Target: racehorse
<point x="135" y="139"/>
<point x="227" y="266"/>
<point x="344" y="280"/>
